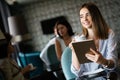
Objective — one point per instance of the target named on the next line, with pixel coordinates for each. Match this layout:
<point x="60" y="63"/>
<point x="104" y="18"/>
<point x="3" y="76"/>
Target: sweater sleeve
<point x="6" y="66"/>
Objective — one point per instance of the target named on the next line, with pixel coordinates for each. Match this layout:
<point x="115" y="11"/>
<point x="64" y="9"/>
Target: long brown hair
<point x="99" y="25"/>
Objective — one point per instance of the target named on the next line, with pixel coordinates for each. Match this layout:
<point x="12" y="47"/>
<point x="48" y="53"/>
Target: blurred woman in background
<point x="8" y="64"/>
<point x="65" y="32"/>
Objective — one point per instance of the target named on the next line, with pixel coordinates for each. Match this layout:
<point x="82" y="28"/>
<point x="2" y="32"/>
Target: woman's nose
<point x="85" y="18"/>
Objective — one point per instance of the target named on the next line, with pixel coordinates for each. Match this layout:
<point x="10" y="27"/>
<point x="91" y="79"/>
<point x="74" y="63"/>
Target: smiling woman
<point x="84" y="15"/>
<point x="94" y="27"/>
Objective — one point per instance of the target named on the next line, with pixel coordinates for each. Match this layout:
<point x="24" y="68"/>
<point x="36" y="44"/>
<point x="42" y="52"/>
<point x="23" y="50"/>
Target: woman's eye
<point x="88" y="14"/>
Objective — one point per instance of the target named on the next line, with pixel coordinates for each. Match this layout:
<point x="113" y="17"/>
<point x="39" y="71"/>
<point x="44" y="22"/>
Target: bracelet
<point x="108" y="63"/>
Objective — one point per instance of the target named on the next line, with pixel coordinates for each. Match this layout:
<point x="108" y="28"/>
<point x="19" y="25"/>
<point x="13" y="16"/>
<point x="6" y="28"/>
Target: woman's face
<point x="85" y="18"/>
<point x="62" y="30"/>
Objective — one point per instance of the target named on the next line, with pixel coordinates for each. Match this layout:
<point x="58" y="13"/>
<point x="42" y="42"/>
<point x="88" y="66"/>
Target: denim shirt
<point x="107" y="48"/>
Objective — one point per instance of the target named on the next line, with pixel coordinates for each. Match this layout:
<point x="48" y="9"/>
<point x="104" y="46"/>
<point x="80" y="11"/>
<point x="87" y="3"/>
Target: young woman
<point x="94" y="27"/>
<point x="66" y="34"/>
<point x="8" y="64"/>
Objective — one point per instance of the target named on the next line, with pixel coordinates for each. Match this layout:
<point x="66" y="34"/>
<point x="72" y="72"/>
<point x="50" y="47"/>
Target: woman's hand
<point x="75" y="61"/>
<point x="71" y="47"/>
<point x="70" y="44"/>
<point x="26" y="69"/>
<point x="95" y="56"/>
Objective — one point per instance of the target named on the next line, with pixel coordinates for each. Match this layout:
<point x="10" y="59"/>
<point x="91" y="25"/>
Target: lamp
<point x="19" y="33"/>
<point x="10" y="2"/>
<point x="18" y="29"/>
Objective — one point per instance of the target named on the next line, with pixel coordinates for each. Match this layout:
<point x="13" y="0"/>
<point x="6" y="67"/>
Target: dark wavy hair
<point x="67" y="25"/>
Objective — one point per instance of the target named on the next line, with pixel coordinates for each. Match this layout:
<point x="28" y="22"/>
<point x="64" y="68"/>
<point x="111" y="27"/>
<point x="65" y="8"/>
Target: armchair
<point x="66" y="63"/>
<point x="32" y="57"/>
<point x="54" y="63"/>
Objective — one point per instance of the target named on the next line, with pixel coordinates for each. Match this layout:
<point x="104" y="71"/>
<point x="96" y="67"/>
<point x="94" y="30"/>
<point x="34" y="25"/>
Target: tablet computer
<point x="81" y="48"/>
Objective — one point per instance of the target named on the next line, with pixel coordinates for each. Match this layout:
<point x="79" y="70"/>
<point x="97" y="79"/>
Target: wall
<point x="46" y="9"/>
